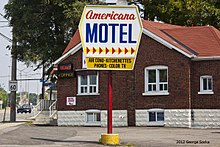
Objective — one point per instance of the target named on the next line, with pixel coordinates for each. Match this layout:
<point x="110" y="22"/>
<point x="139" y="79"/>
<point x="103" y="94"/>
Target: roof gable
<point x="73" y="42"/>
<point x="195" y="42"/>
<point x="202" y="40"/>
<point x="156" y="28"/>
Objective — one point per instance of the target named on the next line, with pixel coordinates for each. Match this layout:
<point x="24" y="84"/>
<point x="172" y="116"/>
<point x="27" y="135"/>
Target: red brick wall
<point x="68" y="87"/>
<point x="128" y="86"/>
<point x="203" y="101"/>
<point x="153" y="53"/>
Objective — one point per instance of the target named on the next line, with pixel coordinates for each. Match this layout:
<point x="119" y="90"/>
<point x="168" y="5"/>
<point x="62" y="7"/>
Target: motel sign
<point x="110" y="36"/>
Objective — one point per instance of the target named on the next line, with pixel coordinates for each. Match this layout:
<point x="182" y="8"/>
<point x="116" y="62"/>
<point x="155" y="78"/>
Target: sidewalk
<point x="7" y="126"/>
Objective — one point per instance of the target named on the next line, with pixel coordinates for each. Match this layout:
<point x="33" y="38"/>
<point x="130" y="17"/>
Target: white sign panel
<point x="70" y="101"/>
<point x="13" y="85"/>
<point x="110" y="36"/>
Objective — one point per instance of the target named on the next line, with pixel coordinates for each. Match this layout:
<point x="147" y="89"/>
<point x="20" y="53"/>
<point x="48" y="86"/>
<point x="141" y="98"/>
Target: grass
<point x="29" y="122"/>
<point x="124" y="145"/>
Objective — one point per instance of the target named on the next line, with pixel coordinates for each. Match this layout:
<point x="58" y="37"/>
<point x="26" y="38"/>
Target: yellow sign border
<point x="111" y="6"/>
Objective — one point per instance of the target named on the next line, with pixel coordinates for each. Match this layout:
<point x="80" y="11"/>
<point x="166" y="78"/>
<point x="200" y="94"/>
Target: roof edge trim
<point x="67" y="54"/>
<point x="206" y="58"/>
<point x="165" y="43"/>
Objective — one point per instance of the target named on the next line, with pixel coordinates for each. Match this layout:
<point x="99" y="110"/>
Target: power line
<point x="22" y="75"/>
<point x="4" y="76"/>
<point x="4" y="17"/>
<point x="10" y="40"/>
<point x="29" y="79"/>
<point x="4" y="26"/>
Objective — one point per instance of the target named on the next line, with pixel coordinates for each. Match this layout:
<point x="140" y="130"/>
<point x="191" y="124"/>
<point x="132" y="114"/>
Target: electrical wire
<point x="22" y="75"/>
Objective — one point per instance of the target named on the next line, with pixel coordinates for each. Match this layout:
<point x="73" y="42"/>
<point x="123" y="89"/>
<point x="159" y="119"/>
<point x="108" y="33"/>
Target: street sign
<point x="110" y="37"/>
<point x="13" y="85"/>
<point x="70" y="101"/>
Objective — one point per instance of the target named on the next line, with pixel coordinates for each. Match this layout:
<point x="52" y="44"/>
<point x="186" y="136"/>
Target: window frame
<point x="156" y="122"/>
<point x="88" y="85"/>
<point x="146" y="82"/>
<point x="93" y="112"/>
<point x="202" y="91"/>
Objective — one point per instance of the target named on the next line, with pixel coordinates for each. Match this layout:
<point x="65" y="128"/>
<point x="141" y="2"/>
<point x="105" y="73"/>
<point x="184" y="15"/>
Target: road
<point x="19" y="116"/>
<point x="25" y="135"/>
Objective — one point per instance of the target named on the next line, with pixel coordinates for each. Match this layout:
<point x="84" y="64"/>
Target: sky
<point x="5" y="62"/>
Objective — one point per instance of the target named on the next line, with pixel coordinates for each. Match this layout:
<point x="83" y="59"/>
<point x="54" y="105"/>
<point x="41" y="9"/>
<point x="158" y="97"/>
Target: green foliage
<point x="154" y="8"/>
<point x="3" y="96"/>
<point x="29" y="122"/>
<point x="184" y="12"/>
<point x="43" y="28"/>
<point x="33" y="98"/>
<point x="73" y="12"/>
<point x="39" y="28"/>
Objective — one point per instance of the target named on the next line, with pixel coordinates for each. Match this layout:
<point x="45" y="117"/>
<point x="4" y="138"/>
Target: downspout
<point x="191" y="115"/>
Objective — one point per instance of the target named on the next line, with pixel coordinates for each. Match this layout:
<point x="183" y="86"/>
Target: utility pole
<point x="13" y="73"/>
<point x="13" y="78"/>
<point x="43" y="74"/>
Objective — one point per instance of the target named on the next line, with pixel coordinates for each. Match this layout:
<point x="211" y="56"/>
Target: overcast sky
<point x="5" y="62"/>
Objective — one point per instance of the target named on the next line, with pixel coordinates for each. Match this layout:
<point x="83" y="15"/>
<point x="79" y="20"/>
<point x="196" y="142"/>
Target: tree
<point x="3" y="96"/>
<point x="184" y="12"/>
<point x="153" y="8"/>
<point x="39" y="28"/>
<point x="43" y="28"/>
<point x="73" y="12"/>
<point x="33" y="98"/>
<point x="28" y="97"/>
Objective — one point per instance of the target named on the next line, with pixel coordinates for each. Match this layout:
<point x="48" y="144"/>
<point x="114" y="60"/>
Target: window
<point x="206" y="85"/>
<point x="88" y="84"/>
<point x="156" y="80"/>
<point x="93" y="117"/>
<point x="156" y="117"/>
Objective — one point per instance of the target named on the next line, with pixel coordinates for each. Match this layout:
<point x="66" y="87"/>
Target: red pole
<point x="109" y="102"/>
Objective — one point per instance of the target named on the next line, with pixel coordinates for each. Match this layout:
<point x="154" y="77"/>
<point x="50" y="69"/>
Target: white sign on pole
<point x="110" y="36"/>
<point x="13" y="85"/>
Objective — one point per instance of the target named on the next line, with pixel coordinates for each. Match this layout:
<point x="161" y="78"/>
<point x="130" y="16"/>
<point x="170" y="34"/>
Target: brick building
<point x="175" y="82"/>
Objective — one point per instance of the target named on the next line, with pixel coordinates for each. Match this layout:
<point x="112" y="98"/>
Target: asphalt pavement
<point x="19" y="116"/>
<point x="24" y="134"/>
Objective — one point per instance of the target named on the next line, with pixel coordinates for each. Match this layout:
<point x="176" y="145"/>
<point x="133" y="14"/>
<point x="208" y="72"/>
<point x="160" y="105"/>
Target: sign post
<point x="110" y="37"/>
<point x="109" y="102"/>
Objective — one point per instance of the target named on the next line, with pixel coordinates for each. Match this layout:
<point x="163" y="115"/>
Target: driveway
<point x="31" y="135"/>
